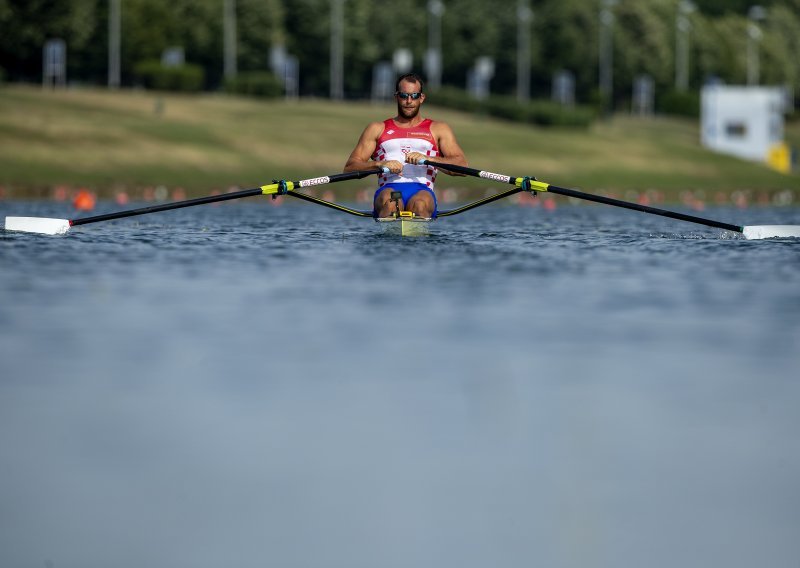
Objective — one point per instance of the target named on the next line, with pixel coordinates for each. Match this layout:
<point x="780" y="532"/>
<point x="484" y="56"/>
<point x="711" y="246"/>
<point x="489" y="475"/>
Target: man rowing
<point x="399" y="144"/>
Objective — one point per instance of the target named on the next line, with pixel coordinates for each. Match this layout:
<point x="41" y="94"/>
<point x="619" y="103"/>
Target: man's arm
<point x="449" y="150"/>
<point x="361" y="156"/>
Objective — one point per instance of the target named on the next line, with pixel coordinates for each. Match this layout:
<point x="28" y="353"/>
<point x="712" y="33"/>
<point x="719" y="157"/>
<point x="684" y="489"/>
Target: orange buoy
<point x="84" y="200"/>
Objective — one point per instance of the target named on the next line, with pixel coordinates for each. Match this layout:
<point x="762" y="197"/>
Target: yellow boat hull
<point x="406" y="226"/>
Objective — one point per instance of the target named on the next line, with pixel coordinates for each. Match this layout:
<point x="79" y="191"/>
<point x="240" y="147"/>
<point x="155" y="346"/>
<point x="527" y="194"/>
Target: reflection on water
<point x="257" y="386"/>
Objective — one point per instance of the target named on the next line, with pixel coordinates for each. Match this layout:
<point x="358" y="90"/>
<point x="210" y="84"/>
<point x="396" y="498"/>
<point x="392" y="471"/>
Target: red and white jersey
<point x="395" y="142"/>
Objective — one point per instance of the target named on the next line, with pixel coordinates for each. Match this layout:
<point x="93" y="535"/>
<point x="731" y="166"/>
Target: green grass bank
<point x="106" y="140"/>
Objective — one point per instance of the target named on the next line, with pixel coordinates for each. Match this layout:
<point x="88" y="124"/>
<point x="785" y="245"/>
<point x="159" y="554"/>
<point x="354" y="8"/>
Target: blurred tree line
<point x="564" y="36"/>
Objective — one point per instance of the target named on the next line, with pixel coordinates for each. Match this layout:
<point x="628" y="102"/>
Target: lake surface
<point x="248" y="385"/>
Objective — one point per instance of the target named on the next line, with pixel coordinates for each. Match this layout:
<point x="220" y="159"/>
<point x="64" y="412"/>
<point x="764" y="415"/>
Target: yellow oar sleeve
<point x="535" y="185"/>
<point x="273" y="188"/>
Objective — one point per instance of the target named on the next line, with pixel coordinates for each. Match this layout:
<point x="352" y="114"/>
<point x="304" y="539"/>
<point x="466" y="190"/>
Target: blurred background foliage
<point x="564" y="37"/>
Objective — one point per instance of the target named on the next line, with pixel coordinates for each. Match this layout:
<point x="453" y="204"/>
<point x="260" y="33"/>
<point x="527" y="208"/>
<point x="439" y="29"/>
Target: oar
<point x="59" y="226"/>
<point x="750" y="232"/>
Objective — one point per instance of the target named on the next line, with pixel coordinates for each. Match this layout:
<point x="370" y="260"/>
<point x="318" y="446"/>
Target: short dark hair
<point x="411" y="78"/>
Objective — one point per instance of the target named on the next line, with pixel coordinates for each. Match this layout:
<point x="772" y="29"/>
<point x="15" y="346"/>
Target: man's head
<point x="412" y="78"/>
<point x="409" y="95"/>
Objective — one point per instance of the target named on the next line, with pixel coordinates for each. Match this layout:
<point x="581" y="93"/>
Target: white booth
<point x="744" y="121"/>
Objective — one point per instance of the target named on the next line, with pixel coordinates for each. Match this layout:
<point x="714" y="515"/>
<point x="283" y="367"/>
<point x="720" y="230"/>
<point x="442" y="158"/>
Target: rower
<point x="400" y="144"/>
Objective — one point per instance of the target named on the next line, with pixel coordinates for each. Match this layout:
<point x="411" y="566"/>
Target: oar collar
<point x="526" y="184"/>
<point x="283" y="188"/>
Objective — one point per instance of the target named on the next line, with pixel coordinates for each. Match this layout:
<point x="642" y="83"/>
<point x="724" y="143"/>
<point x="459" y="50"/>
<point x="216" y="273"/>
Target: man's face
<point x="408" y="107"/>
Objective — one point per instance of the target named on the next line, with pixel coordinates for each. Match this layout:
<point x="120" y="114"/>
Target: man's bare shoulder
<point x="437" y="126"/>
<point x="441" y="130"/>
<point x="374" y="129"/>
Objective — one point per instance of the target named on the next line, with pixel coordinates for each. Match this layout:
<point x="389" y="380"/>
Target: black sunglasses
<point x="404" y="96"/>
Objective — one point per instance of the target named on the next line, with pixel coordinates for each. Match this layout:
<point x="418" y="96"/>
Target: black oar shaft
<point x="224" y="197"/>
<point x="357" y="174"/>
<point x="471" y="172"/>
<point x="596" y="198"/>
<point x="643" y="208"/>
<point x="167" y="206"/>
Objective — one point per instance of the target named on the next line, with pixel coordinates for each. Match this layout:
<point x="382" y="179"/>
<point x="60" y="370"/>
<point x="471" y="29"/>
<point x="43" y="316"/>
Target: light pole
<point x="754" y="34"/>
<point x="114" y="28"/>
<point x="682" y="28"/>
<point x="229" y="37"/>
<point x="524" y="18"/>
<point x="337" y="50"/>
<point x="607" y="52"/>
<point x="433" y="57"/>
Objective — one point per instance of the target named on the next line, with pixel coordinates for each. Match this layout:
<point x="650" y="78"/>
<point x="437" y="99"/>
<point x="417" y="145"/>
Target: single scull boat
<point x="405" y="224"/>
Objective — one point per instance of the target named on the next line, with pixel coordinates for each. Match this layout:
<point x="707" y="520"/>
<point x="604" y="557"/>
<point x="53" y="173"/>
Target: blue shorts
<point x="409" y="190"/>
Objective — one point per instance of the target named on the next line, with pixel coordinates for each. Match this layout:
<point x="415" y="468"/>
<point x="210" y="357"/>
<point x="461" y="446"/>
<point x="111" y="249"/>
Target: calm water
<point x="246" y="385"/>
